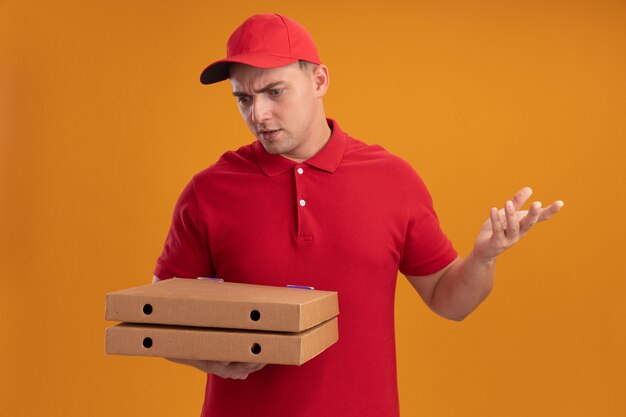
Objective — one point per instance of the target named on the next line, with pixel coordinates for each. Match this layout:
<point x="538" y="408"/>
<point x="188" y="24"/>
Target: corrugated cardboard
<point x="207" y="303"/>
<point x="219" y="344"/>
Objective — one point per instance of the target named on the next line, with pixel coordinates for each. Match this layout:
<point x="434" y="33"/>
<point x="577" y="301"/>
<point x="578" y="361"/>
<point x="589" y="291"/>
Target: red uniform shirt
<point x="345" y="220"/>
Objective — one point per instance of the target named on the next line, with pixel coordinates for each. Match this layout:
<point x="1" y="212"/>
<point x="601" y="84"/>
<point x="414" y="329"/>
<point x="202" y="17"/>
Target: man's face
<point x="279" y="105"/>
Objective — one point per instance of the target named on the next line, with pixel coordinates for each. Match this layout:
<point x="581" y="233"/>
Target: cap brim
<point x="219" y="70"/>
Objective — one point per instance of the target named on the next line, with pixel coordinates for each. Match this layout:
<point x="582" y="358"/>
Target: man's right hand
<point x="232" y="370"/>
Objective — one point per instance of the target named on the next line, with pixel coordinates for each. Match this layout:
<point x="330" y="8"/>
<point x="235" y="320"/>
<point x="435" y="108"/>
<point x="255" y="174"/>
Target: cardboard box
<point x="207" y="303"/>
<point x="220" y="344"/>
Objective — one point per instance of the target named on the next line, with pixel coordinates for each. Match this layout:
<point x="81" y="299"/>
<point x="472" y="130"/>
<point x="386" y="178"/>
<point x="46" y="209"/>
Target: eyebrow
<point x="260" y="90"/>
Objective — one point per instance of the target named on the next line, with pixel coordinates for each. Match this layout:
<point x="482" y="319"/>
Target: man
<point x="308" y="204"/>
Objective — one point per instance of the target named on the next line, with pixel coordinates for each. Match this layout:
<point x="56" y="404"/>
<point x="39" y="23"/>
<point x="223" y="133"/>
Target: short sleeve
<point x="186" y="250"/>
<point x="426" y="248"/>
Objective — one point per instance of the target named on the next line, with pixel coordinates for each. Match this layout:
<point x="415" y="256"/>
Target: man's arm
<point x="232" y="370"/>
<point x="456" y="290"/>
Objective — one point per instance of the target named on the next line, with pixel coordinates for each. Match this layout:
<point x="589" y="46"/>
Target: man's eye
<point x="275" y="92"/>
<point x="243" y="99"/>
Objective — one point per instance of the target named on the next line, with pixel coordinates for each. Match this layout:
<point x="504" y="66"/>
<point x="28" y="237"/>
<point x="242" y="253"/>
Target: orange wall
<point x="103" y="121"/>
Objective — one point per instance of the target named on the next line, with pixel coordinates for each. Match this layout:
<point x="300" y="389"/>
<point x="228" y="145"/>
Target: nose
<point x="260" y="110"/>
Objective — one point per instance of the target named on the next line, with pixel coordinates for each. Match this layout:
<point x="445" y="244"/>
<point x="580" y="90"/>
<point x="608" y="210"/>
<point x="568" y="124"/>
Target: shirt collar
<point x="327" y="159"/>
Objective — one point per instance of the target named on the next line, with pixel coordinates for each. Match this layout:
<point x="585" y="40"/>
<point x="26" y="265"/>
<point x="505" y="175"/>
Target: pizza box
<point x="215" y="304"/>
<point x="186" y="342"/>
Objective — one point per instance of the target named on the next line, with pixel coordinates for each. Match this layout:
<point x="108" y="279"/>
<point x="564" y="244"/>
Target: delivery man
<point x="307" y="203"/>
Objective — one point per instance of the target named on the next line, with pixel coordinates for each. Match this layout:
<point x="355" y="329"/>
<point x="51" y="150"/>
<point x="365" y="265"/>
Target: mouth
<point x="268" y="134"/>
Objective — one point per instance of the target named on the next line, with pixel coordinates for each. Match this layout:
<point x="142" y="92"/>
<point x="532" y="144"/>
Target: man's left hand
<point x="507" y="225"/>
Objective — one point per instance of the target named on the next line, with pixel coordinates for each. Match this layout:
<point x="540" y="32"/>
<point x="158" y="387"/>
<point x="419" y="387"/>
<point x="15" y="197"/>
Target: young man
<point x="306" y="203"/>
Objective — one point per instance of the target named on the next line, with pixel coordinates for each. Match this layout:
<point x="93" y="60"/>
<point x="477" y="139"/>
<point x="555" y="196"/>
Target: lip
<point x="268" y="134"/>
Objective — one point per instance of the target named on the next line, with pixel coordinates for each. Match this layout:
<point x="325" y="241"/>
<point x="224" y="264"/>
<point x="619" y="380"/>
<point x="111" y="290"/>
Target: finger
<point x="236" y="370"/>
<point x="531" y="217"/>
<point x="241" y="365"/>
<point x="512" y="224"/>
<point x="258" y="367"/>
<point x="551" y="210"/>
<point x="521" y="196"/>
<point x="245" y="367"/>
<point x="252" y="366"/>
<point x="497" y="228"/>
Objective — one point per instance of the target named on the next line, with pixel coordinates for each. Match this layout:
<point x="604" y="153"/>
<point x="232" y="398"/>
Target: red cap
<point x="264" y="41"/>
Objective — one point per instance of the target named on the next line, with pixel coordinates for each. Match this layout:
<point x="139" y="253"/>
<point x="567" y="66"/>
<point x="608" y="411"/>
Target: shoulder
<point x="385" y="171"/>
<point x="379" y="159"/>
<point x="240" y="161"/>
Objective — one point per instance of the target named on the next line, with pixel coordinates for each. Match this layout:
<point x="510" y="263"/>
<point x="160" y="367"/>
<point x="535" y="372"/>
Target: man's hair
<point x="306" y="65"/>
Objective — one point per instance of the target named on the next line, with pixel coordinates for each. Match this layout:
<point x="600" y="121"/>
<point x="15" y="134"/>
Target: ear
<point x="321" y="80"/>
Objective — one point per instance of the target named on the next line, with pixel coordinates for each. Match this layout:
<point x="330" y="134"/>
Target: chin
<point x="275" y="148"/>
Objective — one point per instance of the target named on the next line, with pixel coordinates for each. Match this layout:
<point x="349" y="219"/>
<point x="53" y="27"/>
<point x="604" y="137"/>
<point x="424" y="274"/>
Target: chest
<point x="306" y="227"/>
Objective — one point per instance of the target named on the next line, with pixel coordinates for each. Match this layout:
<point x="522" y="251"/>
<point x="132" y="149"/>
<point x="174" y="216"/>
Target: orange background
<point x="103" y="121"/>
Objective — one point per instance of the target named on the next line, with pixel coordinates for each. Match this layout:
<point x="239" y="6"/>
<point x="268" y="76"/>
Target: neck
<point x="319" y="136"/>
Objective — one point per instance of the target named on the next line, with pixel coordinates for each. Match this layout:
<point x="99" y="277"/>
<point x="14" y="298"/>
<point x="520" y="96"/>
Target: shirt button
<point x="302" y="203"/>
<point x="300" y="171"/>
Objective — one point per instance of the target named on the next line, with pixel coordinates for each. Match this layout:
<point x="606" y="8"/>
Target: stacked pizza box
<point x="212" y="320"/>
